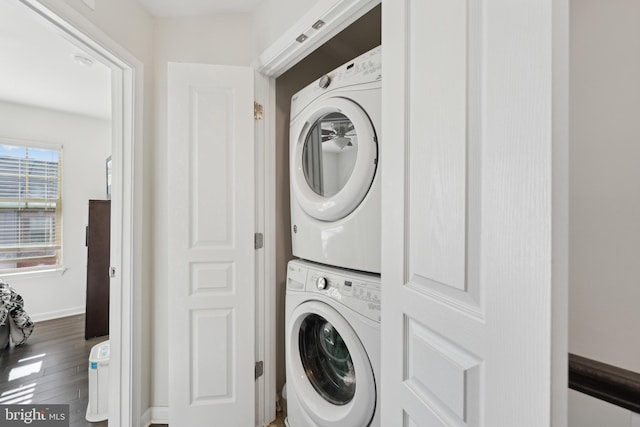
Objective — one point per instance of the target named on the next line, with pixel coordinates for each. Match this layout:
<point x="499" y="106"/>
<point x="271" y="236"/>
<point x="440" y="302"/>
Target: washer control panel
<point x="358" y="291"/>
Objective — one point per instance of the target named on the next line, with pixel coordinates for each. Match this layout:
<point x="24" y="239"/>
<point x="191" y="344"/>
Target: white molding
<point x="49" y="315"/>
<point x="155" y="415"/>
<point x="286" y="51"/>
<point x="635" y="420"/>
<point x="265" y="258"/>
<point x="126" y="253"/>
<point x="260" y="288"/>
<point x="270" y="252"/>
<point x="560" y="215"/>
<point x="36" y="273"/>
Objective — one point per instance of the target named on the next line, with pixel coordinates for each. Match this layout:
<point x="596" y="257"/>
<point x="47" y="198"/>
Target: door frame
<point x="275" y="60"/>
<point x="265" y="259"/>
<point x="286" y="52"/>
<point x="126" y="204"/>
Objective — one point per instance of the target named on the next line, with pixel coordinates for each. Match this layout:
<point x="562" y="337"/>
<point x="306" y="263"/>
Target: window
<point x="30" y="206"/>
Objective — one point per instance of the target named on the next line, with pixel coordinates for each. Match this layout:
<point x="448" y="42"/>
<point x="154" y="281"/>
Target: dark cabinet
<point x="98" y="264"/>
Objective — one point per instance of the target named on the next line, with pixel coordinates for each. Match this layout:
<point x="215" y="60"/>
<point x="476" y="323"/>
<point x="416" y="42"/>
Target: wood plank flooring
<point x="51" y="367"/>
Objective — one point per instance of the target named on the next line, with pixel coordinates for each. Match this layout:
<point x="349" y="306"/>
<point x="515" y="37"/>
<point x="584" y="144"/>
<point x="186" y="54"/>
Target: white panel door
<point x="469" y="200"/>
<point x="211" y="256"/>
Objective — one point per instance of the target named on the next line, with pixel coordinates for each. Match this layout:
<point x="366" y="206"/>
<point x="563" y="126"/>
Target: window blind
<point x="30" y="206"/>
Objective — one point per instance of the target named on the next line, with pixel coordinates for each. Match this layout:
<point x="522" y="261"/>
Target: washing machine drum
<point x="333" y="378"/>
<point x="334" y="158"/>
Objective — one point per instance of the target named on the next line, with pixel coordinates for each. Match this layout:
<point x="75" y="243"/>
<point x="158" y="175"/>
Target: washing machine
<point x="335" y="166"/>
<point x="332" y="347"/>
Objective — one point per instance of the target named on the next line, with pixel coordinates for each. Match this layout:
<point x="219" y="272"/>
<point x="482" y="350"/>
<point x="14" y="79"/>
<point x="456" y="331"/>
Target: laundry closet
<point x="465" y="309"/>
<point x="360" y="37"/>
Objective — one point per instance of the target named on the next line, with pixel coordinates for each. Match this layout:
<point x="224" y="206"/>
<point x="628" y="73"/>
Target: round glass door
<point x="326" y="360"/>
<point x="334" y="156"/>
<point x="328" y="367"/>
<point x="329" y="154"/>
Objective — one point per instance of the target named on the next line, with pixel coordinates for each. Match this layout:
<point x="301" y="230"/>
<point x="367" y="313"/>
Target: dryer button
<point x="325" y="81"/>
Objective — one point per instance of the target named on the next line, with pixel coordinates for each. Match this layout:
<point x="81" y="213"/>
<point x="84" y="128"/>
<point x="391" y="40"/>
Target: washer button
<point x="321" y="283"/>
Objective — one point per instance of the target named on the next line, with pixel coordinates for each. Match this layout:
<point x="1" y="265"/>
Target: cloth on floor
<point x="12" y="311"/>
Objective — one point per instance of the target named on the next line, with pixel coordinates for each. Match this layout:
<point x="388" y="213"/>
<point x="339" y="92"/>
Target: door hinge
<point x="257" y="111"/>
<point x="258" y="240"/>
<point x="112" y="272"/>
<point x="259" y="369"/>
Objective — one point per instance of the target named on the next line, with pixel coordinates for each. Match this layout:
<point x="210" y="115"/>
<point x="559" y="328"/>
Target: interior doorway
<point x="125" y="252"/>
<point x="56" y="98"/>
<point x="56" y="101"/>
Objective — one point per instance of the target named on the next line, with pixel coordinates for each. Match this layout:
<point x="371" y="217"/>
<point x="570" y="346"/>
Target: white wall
<point x="605" y="181"/>
<point x="273" y="18"/>
<point x="217" y="39"/>
<point x="86" y="145"/>
<point x="587" y="411"/>
<point x="126" y="22"/>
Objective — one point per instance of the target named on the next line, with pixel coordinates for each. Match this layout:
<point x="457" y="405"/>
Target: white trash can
<point x="98" y="407"/>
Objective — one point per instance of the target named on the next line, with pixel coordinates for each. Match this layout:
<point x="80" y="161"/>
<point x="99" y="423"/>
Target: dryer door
<point x="333" y="378"/>
<point x="334" y="156"/>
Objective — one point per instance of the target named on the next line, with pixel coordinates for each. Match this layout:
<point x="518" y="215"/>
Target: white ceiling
<point x="37" y="67"/>
<point x="197" y="7"/>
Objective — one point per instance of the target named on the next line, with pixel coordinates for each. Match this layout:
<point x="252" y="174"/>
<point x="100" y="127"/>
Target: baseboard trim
<point x="145" y="419"/>
<point x="50" y="315"/>
<point x="605" y="382"/>
<point x="155" y="415"/>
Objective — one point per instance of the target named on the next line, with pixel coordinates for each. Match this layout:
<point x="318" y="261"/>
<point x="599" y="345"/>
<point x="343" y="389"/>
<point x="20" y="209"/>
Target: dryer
<point x="335" y="166"/>
<point x="332" y="347"/>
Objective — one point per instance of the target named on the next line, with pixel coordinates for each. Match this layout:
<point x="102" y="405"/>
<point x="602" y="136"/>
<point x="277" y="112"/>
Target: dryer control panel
<point x="357" y="291"/>
<point x="366" y="68"/>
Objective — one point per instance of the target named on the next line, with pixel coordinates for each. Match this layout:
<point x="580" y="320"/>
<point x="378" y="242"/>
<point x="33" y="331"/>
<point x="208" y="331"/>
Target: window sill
<point x="33" y="274"/>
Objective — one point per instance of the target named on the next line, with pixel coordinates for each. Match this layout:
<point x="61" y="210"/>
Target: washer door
<point x="333" y="158"/>
<point x="332" y="375"/>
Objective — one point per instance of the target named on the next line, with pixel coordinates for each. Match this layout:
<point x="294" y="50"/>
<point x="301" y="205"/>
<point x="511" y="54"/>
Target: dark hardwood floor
<point x="51" y="367"/>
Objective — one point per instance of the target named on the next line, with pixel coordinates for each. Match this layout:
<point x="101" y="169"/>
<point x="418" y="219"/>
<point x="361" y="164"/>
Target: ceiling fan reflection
<point x="341" y="134"/>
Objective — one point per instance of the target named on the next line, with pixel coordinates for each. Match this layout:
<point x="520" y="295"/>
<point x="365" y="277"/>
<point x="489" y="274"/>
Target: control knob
<point x="321" y="283"/>
<point x="325" y="81"/>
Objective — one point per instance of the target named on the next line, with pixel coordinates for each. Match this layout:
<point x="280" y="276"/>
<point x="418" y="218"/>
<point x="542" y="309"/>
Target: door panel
<point x="439" y="162"/>
<point x="211" y="374"/>
<point x="467" y="214"/>
<point x="211" y="256"/>
<point x="211" y="222"/>
<point x="442" y="372"/>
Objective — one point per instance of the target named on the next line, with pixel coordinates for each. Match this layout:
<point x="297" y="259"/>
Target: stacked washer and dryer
<point x="332" y="335"/>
